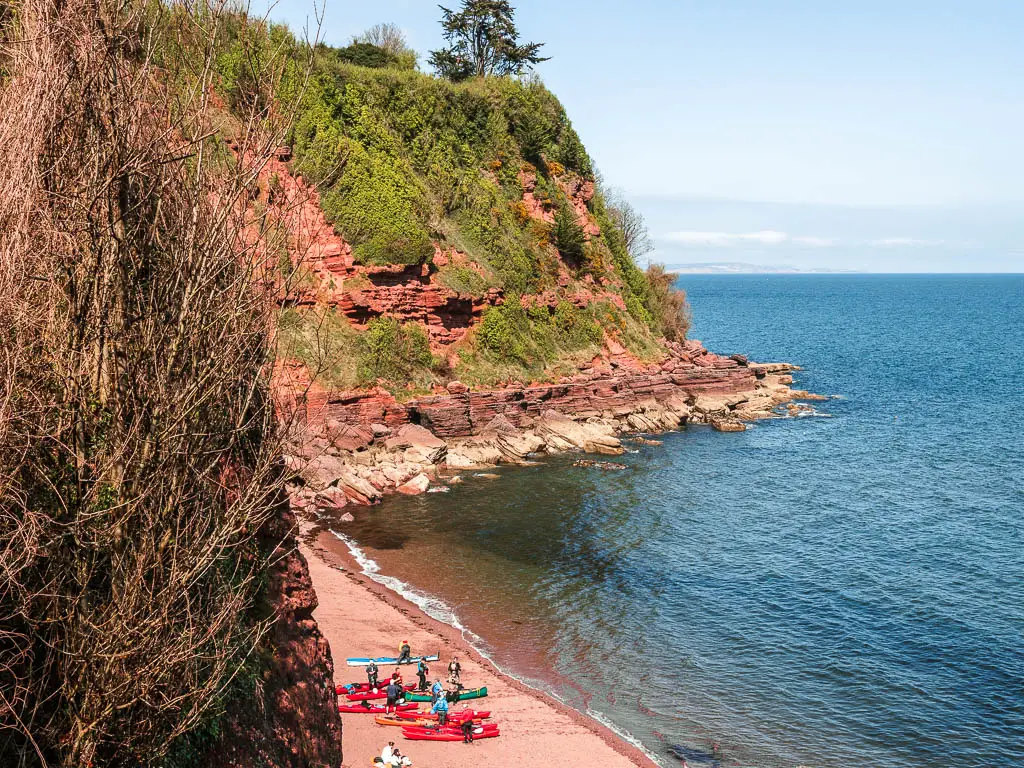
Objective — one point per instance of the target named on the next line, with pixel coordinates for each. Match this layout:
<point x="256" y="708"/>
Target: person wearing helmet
<point x="404" y="652"/>
<point x="371" y="674"/>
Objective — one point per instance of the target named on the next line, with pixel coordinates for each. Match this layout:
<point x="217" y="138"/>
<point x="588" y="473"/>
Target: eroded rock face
<point x="409" y="447"/>
<point x="691" y="384"/>
<point x="295" y="722"/>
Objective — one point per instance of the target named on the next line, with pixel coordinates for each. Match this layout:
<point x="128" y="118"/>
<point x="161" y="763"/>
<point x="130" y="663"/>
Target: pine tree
<point x="483" y="41"/>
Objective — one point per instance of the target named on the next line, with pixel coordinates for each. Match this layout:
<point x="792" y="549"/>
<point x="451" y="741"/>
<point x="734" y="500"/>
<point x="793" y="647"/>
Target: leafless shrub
<point x="138" y="451"/>
<point x="668" y="304"/>
<point x="391" y="38"/>
<point x="630" y="222"/>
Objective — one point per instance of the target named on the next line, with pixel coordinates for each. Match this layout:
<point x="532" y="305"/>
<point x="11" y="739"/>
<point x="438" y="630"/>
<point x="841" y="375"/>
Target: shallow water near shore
<point x="847" y="589"/>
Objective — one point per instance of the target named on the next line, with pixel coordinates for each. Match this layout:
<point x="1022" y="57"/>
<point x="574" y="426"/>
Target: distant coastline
<point x="740" y="268"/>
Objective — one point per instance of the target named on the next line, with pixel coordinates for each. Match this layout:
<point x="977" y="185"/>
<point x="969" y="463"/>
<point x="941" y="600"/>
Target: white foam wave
<point x="624" y="735"/>
<point x="440" y="611"/>
<point x="432" y="606"/>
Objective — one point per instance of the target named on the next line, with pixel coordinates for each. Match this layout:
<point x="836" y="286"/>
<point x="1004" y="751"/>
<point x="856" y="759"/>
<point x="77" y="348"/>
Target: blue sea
<point x="845" y="588"/>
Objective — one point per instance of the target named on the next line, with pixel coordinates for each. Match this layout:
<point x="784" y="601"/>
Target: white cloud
<point x="887" y="242"/>
<point x="769" y="237"/>
<point x="690" y="237"/>
<point x="816" y="242"/>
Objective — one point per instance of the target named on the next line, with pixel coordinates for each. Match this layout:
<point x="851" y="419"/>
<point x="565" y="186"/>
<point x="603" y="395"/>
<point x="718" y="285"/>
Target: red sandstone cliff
<point x="292" y="720"/>
<point x="355" y="446"/>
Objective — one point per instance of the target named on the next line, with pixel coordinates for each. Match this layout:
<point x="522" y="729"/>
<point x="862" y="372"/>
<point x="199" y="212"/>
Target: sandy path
<point x="536" y="731"/>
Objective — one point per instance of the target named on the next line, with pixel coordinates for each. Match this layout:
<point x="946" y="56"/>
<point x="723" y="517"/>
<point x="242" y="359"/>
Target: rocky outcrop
<point x="354" y="448"/>
<point x="690" y="384"/>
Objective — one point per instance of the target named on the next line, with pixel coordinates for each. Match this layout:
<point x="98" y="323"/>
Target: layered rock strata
<point x="354" y="448"/>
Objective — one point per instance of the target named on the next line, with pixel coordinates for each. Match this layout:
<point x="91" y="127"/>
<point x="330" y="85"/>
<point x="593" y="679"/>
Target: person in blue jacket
<point x="440" y="709"/>
<point x="436" y="691"/>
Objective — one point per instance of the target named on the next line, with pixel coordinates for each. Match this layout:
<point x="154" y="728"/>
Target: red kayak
<point x="350" y="688"/>
<point x="454" y="716"/>
<point x="433" y="734"/>
<point x="373" y="709"/>
<point x="371" y="694"/>
<point x="450" y="728"/>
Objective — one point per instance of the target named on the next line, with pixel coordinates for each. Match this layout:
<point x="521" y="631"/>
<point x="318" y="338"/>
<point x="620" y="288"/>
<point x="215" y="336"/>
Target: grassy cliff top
<point x="408" y="164"/>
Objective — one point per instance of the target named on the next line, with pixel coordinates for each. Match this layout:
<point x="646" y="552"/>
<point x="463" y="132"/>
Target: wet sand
<point x="361" y="618"/>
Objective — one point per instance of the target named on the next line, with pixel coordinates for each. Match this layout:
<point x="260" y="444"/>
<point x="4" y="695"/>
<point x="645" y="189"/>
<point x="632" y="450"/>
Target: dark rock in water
<point x="598" y="464"/>
<point x="696" y="757"/>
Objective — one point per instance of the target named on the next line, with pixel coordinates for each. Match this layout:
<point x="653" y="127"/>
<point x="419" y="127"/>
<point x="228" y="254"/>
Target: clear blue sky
<point x="840" y="133"/>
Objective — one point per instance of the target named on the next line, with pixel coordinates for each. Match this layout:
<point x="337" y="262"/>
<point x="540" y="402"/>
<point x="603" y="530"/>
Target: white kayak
<point x="390" y="660"/>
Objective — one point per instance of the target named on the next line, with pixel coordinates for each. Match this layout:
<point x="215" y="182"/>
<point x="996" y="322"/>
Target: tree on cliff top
<point x="483" y="41"/>
<point x="390" y="38"/>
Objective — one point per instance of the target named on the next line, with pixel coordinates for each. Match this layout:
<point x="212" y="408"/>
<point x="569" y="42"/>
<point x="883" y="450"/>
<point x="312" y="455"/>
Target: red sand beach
<point x="536" y="730"/>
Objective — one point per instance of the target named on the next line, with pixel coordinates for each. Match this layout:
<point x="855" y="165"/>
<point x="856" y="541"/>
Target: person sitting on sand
<point x="387" y="752"/>
<point x="440" y="709"/>
<point x="404" y="652"/>
<point x="371" y="674"/>
<point x="421" y="671"/>
<point x="454" y="671"/>
<point x="394" y="692"/>
<point x="452" y="692"/>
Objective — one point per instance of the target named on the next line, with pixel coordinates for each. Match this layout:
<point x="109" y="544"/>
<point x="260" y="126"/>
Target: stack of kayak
<point x="404" y="719"/>
<point x="380" y="692"/>
<point x="416" y="725"/>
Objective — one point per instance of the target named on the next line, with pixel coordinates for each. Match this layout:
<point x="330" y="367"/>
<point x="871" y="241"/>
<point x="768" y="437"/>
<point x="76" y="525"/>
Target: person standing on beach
<point x="440" y="709"/>
<point x="404" y="652"/>
<point x="467" y="730"/>
<point x="435" y="692"/>
<point x="371" y="674"/>
<point x="422" y="670"/>
<point x="397" y="677"/>
<point x="455" y="671"/>
<point x="394" y="691"/>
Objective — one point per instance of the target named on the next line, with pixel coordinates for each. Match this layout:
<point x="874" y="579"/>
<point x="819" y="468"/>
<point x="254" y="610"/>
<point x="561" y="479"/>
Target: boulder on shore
<point x="561" y="433"/>
<point x="726" y="425"/>
<point x="419" y="444"/>
<point x="416" y="486"/>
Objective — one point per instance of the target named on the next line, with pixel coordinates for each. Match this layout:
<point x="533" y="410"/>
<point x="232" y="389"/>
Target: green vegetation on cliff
<point x="405" y="162"/>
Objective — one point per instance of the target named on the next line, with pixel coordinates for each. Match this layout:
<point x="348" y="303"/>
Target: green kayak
<point x="469" y="693"/>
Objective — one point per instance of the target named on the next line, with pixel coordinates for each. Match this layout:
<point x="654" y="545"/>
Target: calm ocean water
<point x="838" y="590"/>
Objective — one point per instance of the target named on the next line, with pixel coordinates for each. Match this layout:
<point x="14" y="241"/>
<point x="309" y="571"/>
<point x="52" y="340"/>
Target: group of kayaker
<point x="436" y="724"/>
